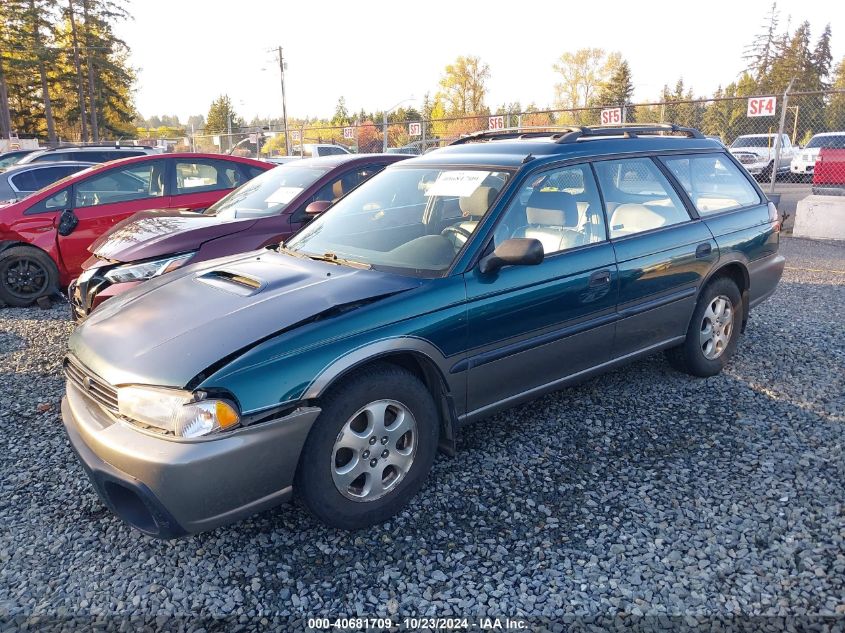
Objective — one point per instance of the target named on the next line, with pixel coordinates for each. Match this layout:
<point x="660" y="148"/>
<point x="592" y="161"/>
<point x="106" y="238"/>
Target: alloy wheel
<point x="25" y="278"/>
<point x="374" y="450"/>
<point x="716" y="327"/>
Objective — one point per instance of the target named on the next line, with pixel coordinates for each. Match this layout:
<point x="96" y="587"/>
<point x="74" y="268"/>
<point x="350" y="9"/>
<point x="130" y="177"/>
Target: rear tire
<point x="713" y="333"/>
<point x="370" y="449"/>
<point x="26" y="274"/>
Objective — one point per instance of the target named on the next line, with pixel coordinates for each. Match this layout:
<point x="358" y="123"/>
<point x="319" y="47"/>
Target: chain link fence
<point x="779" y="139"/>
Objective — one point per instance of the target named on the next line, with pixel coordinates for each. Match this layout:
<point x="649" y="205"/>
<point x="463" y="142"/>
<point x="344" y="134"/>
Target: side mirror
<point x="318" y="207"/>
<point x="67" y="222"/>
<point x="517" y="251"/>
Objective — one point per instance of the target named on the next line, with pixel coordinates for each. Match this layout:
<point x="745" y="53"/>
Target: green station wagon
<point x="448" y="287"/>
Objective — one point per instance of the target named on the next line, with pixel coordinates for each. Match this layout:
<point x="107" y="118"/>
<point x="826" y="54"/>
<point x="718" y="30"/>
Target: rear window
<point x="835" y="141"/>
<point x="331" y="151"/>
<point x="102" y="156"/>
<point x="713" y="182"/>
<point x="753" y="141"/>
<point x="35" y="179"/>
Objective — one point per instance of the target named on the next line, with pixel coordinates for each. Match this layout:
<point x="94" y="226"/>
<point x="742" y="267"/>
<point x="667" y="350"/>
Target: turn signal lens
<point x="226" y="416"/>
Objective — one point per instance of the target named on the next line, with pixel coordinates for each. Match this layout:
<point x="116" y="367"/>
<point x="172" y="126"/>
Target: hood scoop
<point x="236" y="283"/>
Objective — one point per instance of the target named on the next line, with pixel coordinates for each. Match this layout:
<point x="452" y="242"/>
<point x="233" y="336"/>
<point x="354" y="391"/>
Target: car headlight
<point x="182" y="413"/>
<point x="146" y="270"/>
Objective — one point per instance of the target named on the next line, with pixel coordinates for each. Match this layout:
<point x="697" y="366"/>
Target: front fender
<point x="301" y="363"/>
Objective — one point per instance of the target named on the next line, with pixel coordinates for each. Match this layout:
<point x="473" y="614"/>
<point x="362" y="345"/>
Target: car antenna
<point x="528" y="158"/>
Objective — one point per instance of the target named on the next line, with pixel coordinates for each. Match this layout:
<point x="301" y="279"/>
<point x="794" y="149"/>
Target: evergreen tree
<point x="835" y="111"/>
<point x="821" y="59"/>
<point x="618" y="90"/>
<point x="341" y="114"/>
<point x="220" y="116"/>
<point x="763" y="50"/>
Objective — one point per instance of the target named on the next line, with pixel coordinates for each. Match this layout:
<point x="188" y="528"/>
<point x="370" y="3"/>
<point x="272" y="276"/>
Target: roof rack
<point x="571" y="133"/>
<point x="112" y="145"/>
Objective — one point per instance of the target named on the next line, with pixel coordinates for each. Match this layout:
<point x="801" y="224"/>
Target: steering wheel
<point x="456" y="234"/>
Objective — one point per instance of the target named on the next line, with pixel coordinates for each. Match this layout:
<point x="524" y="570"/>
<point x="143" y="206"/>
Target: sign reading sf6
<point x="762" y="106"/>
<point x="496" y="122"/>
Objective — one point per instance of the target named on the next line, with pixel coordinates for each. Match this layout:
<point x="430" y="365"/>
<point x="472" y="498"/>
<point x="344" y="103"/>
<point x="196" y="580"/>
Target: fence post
<point x="779" y="139"/>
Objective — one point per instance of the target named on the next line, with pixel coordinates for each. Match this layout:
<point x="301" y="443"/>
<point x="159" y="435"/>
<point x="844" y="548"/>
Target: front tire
<point x="26" y="274"/>
<point x="370" y="449"/>
<point x="713" y="333"/>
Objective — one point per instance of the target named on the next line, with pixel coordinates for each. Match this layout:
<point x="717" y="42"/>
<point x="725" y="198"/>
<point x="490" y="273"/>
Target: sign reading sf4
<point x="762" y="106"/>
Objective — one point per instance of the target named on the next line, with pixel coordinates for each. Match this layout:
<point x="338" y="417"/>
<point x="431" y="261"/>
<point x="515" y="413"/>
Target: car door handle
<point x="703" y="250"/>
<point x="599" y="278"/>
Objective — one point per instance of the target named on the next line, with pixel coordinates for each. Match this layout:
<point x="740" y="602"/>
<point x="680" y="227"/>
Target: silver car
<point x="18" y="181"/>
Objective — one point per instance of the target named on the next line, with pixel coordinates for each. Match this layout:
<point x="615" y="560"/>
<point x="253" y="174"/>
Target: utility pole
<point x="282" y="66"/>
<point x="779" y="140"/>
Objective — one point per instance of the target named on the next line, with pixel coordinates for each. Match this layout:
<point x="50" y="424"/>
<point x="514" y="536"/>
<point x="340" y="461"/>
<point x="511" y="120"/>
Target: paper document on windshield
<point x="457" y="183"/>
<point x="283" y="195"/>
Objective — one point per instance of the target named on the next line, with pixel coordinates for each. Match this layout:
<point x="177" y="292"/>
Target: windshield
<point x="754" y="141"/>
<point x="408" y="220"/>
<point x="267" y="194"/>
<point x="828" y="142"/>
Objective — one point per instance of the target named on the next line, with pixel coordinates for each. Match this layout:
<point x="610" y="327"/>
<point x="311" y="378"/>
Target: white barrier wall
<point x="15" y="143"/>
<point x="820" y="217"/>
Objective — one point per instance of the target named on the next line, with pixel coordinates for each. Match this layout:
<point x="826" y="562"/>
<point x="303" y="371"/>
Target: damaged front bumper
<point x="168" y="488"/>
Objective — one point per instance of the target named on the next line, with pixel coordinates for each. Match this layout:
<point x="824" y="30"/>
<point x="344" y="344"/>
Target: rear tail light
<point x="774" y="216"/>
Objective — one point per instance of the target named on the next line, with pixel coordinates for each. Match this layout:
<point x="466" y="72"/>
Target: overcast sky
<point x="378" y="52"/>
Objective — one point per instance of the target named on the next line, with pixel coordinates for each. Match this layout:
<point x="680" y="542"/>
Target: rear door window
<point x="713" y="182"/>
<point x="195" y="176"/>
<point x="638" y="197"/>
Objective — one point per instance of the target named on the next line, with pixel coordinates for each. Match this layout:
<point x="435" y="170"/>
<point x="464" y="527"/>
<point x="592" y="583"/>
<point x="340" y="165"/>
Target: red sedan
<point x="44" y="238"/>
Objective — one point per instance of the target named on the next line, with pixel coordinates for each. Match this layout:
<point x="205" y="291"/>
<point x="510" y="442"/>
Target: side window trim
<point x="601" y="198"/>
<point x="41" y="206"/>
<point x="677" y="186"/>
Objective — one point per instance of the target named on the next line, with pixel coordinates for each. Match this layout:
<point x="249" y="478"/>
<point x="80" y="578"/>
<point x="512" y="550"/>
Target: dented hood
<point x="168" y="330"/>
<point x="163" y="232"/>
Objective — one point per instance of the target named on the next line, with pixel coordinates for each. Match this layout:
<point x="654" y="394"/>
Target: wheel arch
<point x="737" y="271"/>
<point x="6" y="244"/>
<point x="417" y="356"/>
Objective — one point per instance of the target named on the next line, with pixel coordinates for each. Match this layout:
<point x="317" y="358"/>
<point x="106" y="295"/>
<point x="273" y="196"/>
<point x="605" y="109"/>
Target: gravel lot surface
<point x="640" y="492"/>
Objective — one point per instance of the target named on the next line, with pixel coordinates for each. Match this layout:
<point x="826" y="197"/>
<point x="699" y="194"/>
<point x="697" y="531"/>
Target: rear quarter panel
<point x="749" y="237"/>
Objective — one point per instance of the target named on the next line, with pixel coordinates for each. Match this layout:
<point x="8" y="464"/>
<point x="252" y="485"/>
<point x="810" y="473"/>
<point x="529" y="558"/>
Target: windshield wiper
<point x="334" y="259"/>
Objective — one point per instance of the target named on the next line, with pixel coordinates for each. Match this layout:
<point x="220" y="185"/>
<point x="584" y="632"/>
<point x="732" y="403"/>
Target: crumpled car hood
<point x="162" y="232"/>
<point x="168" y="330"/>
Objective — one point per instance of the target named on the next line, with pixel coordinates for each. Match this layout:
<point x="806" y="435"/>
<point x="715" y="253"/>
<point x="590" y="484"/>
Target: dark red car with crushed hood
<point x="44" y="238"/>
<point x="264" y="211"/>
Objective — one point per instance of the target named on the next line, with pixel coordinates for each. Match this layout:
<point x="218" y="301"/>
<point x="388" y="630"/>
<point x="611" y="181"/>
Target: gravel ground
<point x="640" y="492"/>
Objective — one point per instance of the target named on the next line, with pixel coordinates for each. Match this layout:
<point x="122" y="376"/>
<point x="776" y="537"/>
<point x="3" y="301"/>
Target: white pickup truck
<point x="309" y="150"/>
<point x="756" y="152"/>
